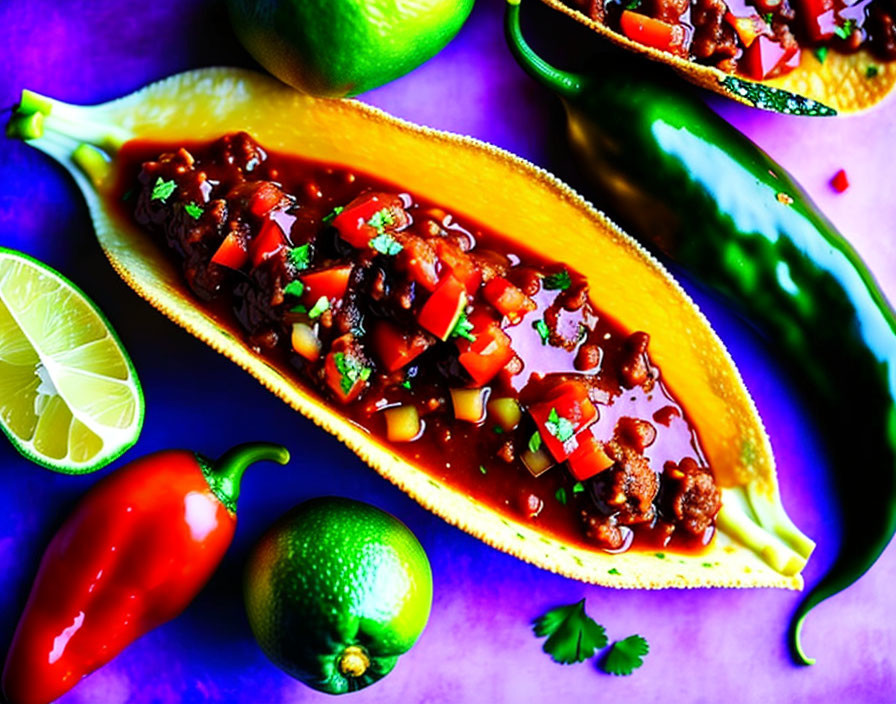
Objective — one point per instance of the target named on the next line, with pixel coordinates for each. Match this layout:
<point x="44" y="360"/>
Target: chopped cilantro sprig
<point x="350" y="371"/>
<point x="573" y="636"/>
<point x="626" y="655"/>
<point x="463" y="328"/>
<point x="162" y="189"/>
<point x="557" y="282"/>
<point x="558" y="426"/>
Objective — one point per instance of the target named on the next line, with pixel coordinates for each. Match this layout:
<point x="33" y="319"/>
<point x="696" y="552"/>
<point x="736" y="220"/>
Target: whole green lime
<point x="335" y="48"/>
<point x="336" y="591"/>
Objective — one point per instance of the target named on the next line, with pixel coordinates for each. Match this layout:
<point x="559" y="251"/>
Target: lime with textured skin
<point x="336" y="591"/>
<point x="337" y="48"/>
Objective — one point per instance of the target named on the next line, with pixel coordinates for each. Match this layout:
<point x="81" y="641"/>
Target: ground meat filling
<point x="760" y="39"/>
<point x="491" y="364"/>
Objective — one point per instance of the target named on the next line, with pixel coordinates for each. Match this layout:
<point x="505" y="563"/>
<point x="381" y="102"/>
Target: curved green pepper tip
<point x="225" y="474"/>
<point x="796" y="645"/>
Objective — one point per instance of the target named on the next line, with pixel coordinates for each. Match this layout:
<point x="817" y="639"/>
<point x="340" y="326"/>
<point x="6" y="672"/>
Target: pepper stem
<point x="354" y="661"/>
<point x="562" y="82"/>
<point x="225" y="474"/>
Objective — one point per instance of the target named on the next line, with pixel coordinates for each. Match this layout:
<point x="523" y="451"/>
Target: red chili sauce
<point x="471" y="355"/>
<point x="756" y="38"/>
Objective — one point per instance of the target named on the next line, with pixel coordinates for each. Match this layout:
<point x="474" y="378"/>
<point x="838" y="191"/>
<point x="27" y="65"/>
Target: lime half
<point x="69" y="396"/>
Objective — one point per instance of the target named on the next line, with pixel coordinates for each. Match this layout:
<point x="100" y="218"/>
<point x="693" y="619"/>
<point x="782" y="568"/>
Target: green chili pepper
<point x="707" y="197"/>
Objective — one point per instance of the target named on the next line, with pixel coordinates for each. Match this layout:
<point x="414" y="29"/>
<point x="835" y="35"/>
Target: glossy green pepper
<point x="337" y="48"/>
<point x="703" y="194"/>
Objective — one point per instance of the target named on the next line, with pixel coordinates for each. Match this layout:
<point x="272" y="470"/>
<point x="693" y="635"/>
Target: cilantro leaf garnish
<point x="386" y="244"/>
<point x="535" y="442"/>
<point x="769" y="18"/>
<point x="193" y="210"/>
<point x="572" y="635"/>
<point x="294" y="288"/>
<point x="350" y="371"/>
<point x="463" y="327"/>
<point x="498" y="430"/>
<point x="300" y="257"/>
<point x="558" y="426"/>
<point x="542" y="329"/>
<point x="380" y="219"/>
<point x="327" y="219"/>
<point x="821" y="53"/>
<point x="626" y="656"/>
<point x="482" y="469"/>
<point x="162" y="189"/>
<point x="322" y="304"/>
<point x="406" y="384"/>
<point x="557" y="282"/>
<point x="871" y="71"/>
<point x="578" y="488"/>
<point x="560" y="495"/>
<point x="633" y="4"/>
<point x="845" y="30"/>
<point x="298" y="309"/>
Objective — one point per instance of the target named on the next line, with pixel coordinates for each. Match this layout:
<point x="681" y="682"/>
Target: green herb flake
<point x="626" y="656"/>
<point x="578" y="488"/>
<point x="463" y="328"/>
<point x="162" y="189"/>
<point x="294" y="288"/>
<point x="573" y="636"/>
<point x="350" y="371"/>
<point x="706" y="564"/>
<point x="660" y="555"/>
<point x="498" y="430"/>
<point x="327" y="219"/>
<point x="386" y="244"/>
<point x="535" y="442"/>
<point x="845" y="30"/>
<point x="560" y="495"/>
<point x="319" y="307"/>
<point x="542" y="329"/>
<point x="380" y="219"/>
<point x="613" y="570"/>
<point x="193" y="210"/>
<point x="872" y="71"/>
<point x="300" y="257"/>
<point x="482" y="469"/>
<point x="406" y="384"/>
<point x="558" y="426"/>
<point x="633" y="4"/>
<point x="769" y="18"/>
<point x="298" y="309"/>
<point x="821" y="53"/>
<point x="557" y="282"/>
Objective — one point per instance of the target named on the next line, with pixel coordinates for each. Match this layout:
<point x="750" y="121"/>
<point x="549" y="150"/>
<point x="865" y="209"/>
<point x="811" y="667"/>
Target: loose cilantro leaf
<point x="327" y="219"/>
<point x="613" y="570"/>
<point x="193" y="210"/>
<point x="386" y="244"/>
<point x="633" y="4"/>
<point x="558" y="426"/>
<point x="350" y="371"/>
<point x="557" y="282"/>
<point x="162" y="190"/>
<point x="626" y="656"/>
<point x="542" y="329"/>
<point x="769" y="18"/>
<point x="845" y="30"/>
<point x="871" y="71"/>
<point x="482" y="469"/>
<point x="560" y="495"/>
<point x="535" y="442"/>
<point x="380" y="219"/>
<point x="572" y="635"/>
<point x="406" y="384"/>
<point x="498" y="430"/>
<point x="294" y="288"/>
<point x="319" y="307"/>
<point x="821" y="53"/>
<point x="298" y="309"/>
<point x="578" y="488"/>
<point x="300" y="257"/>
<point x="463" y="327"/>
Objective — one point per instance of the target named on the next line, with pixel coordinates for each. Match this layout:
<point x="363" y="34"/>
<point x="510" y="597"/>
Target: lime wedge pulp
<point x="69" y="396"/>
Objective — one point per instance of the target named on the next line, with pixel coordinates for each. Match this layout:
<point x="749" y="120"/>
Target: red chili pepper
<point x="136" y="550"/>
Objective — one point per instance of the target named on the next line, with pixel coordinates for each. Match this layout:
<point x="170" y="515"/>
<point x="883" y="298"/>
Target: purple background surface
<point x="706" y="645"/>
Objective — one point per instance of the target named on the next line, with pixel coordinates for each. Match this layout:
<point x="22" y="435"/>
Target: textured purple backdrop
<point x="706" y="645"/>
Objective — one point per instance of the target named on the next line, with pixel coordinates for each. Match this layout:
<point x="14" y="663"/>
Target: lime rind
<point x="88" y="405"/>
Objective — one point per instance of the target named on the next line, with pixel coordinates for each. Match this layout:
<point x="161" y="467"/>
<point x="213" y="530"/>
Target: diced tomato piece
<point x="748" y="28"/>
<point x="267" y="242"/>
<point x="840" y="182"/>
<point x="819" y="18"/>
<point x="357" y="223"/>
<point x="561" y="417"/>
<point x="490" y="352"/>
<point x="764" y="56"/>
<point x="508" y="299"/>
<point x="395" y="347"/>
<point x="332" y="283"/>
<point x="344" y="370"/>
<point x="443" y="308"/>
<point x="232" y="252"/>
<point x="589" y="457"/>
<point x="650" y="32"/>
<point x="418" y="260"/>
<point x="458" y="264"/>
<point x="265" y="198"/>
